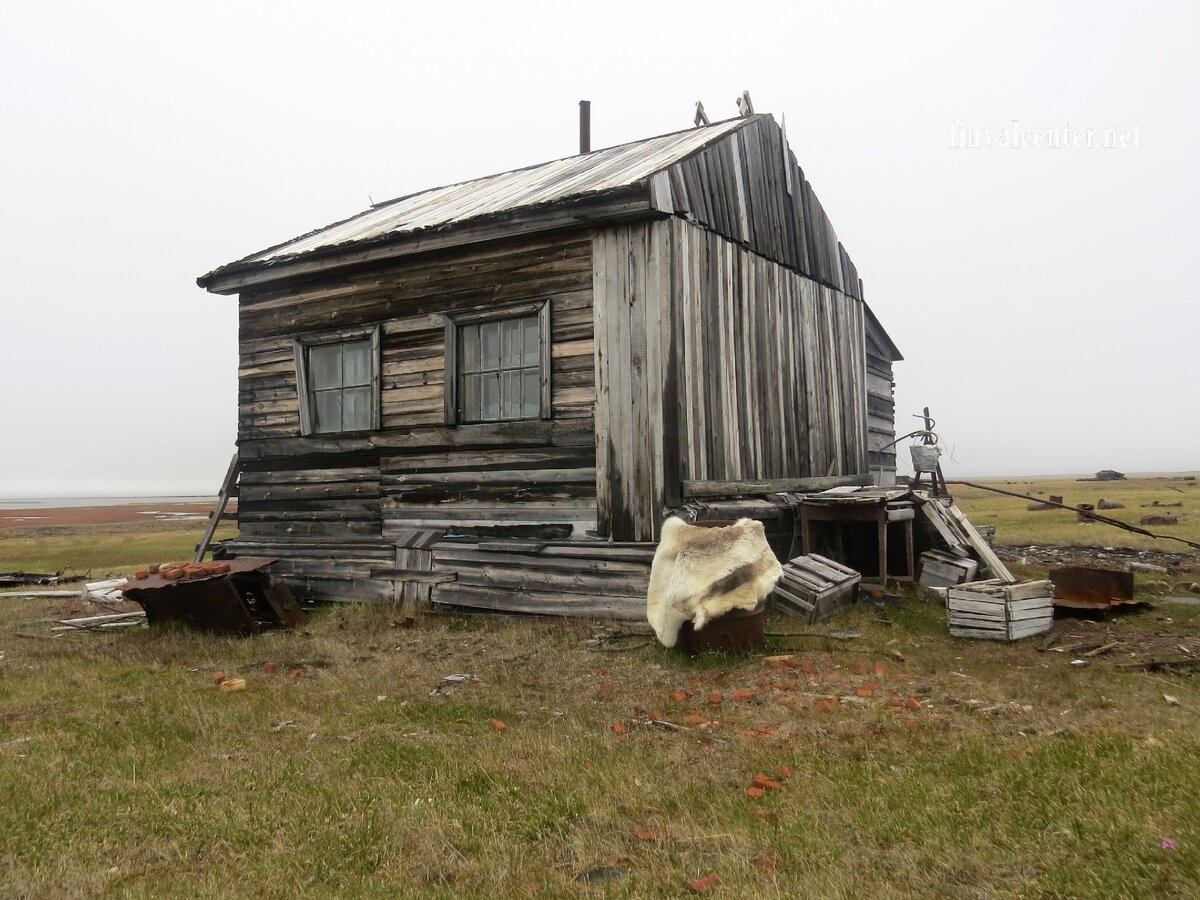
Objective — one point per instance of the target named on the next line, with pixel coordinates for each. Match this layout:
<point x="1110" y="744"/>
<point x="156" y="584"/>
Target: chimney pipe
<point x="585" y="126"/>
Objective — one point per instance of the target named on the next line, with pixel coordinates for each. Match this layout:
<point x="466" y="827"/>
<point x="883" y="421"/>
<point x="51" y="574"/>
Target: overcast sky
<point x="1043" y="297"/>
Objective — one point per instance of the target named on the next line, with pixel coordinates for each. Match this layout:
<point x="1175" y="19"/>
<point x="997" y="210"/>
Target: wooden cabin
<point x="491" y="394"/>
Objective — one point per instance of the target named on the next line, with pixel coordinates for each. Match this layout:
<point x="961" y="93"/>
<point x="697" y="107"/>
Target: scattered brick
<point x="498" y="725"/>
<point x="707" y="883"/>
<point x="218" y="677"/>
<point x="743" y="695"/>
<point x="767" y="784"/>
<point x="785" y="771"/>
<point x="754" y="793"/>
<point x="619" y="728"/>
<point x="679" y="697"/>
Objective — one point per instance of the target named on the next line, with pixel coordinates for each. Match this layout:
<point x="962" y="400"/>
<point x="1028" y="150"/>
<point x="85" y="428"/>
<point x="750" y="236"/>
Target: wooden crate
<point x="940" y="569"/>
<point x="815" y="588"/>
<point x="997" y="611"/>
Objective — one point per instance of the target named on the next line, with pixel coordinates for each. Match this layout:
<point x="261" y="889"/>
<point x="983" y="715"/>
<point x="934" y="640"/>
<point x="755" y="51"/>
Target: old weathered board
<point x="815" y="587"/>
<point x="939" y="569"/>
<point x="1000" y="611"/>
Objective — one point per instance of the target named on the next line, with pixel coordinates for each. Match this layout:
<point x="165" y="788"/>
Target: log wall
<point x="357" y="497"/>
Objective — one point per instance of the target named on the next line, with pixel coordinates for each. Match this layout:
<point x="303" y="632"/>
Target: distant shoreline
<point x="59" y="511"/>
<point x="73" y="502"/>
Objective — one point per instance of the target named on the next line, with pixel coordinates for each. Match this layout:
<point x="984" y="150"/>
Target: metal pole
<point x="585" y="126"/>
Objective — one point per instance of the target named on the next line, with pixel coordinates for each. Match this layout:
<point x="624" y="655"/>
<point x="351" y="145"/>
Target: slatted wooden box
<point x="815" y="588"/>
<point x="940" y="569"/>
<point x="997" y="611"/>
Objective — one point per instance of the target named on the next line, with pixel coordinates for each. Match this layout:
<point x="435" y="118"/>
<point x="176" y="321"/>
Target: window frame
<point x="304" y="343"/>
<point x="452" y="372"/>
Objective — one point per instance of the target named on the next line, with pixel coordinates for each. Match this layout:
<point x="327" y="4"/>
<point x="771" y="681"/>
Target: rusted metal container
<point x="1084" y="587"/>
<point x="738" y="631"/>
<point x="240" y="601"/>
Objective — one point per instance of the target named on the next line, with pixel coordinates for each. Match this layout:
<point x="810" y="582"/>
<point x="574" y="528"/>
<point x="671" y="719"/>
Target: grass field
<point x="909" y="763"/>
<point x="103" y="550"/>
<point x="1015" y="525"/>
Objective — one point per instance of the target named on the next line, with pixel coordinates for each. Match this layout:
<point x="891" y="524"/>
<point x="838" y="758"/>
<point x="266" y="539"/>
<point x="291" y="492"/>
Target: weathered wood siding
<point x="881" y="409"/>
<point x="417" y="472"/>
<point x="576" y="578"/>
<point x="715" y="364"/>
<point x="749" y="188"/>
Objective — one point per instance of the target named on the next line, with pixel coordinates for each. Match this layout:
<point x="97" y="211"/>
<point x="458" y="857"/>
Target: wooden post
<point x="231" y="475"/>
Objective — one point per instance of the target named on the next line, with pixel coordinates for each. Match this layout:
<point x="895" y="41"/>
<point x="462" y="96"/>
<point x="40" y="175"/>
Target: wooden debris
<point x="815" y="588"/>
<point x="1163" y="665"/>
<point x="998" y="611"/>
<point x="940" y="569"/>
<point x="101" y="623"/>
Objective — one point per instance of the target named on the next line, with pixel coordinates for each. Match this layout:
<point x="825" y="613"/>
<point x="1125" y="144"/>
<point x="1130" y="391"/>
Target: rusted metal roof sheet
<point x="574" y="177"/>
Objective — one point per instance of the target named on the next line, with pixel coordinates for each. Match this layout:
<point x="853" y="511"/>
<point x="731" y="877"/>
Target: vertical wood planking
<point x="601" y="301"/>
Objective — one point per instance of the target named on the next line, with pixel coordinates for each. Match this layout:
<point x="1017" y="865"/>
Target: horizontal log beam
<point x="698" y="489"/>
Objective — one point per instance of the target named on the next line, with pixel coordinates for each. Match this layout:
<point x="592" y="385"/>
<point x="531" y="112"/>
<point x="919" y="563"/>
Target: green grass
<point x="131" y="774"/>
<point x="102" y="549"/>
<point x="125" y="772"/>
<point x="1015" y="525"/>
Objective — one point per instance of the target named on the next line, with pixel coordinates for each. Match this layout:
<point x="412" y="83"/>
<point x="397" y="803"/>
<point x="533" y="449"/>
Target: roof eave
<point x="622" y="204"/>
<point x="893" y="351"/>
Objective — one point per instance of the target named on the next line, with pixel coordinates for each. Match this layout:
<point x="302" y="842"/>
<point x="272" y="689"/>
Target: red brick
<point x="767" y="784"/>
<point x="708" y="882"/>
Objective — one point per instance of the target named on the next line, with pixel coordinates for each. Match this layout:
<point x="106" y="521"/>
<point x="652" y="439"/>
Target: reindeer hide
<point x="702" y="573"/>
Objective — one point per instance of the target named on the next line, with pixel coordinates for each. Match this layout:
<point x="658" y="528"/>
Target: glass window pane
<point x="356" y="409"/>
<point x="356" y="363"/>
<point x="531" y="399"/>
<point x="489" y="336"/>
<point x="470" y="348"/>
<point x="329" y="411"/>
<point x="489" y="400"/>
<point x="510" y="395"/>
<point x="469" y="402"/>
<point x="511" y="333"/>
<point x="532" y="335"/>
<point x="325" y="367"/>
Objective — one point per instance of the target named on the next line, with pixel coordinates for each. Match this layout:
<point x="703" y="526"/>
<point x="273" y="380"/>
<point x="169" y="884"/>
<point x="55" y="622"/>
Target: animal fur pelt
<point x="701" y="573"/>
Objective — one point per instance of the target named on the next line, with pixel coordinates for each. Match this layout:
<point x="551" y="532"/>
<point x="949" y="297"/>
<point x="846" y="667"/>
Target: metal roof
<point x="576" y="176"/>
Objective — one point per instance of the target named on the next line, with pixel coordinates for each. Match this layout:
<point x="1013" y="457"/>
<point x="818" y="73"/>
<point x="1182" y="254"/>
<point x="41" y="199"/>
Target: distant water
<point x="66" y="502"/>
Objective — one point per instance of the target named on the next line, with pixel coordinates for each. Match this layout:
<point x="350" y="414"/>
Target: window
<point x="338" y="381"/>
<point x="497" y="365"/>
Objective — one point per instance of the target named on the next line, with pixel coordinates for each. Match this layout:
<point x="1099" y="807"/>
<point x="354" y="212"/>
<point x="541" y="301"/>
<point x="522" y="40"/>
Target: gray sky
<point x="1042" y="295"/>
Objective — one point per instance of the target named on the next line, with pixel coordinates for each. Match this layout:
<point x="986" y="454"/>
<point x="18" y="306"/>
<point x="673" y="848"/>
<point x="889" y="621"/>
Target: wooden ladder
<point x="228" y="489"/>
